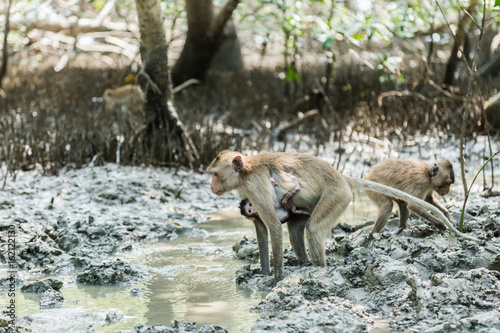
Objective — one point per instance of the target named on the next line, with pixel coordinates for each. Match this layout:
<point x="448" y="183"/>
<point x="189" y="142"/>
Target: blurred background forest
<point x="259" y="74"/>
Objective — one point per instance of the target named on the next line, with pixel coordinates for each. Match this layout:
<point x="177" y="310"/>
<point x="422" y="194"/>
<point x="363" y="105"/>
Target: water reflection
<point x="360" y="208"/>
<point x="193" y="278"/>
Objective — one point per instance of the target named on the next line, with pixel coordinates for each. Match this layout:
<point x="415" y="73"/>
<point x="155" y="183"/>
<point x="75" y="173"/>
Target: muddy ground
<point x="420" y="281"/>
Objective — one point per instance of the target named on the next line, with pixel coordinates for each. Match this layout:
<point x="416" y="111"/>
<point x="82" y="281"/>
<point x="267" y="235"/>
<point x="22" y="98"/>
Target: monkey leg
<point x="296" y="229"/>
<point x="324" y="217"/>
<point x="262" y="241"/>
<point x="404" y="212"/>
<point x="428" y="216"/>
<point x="385" y="208"/>
<point x="276" y="232"/>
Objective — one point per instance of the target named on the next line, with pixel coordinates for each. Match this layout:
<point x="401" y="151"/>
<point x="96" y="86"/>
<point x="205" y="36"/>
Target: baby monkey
<point x="284" y="211"/>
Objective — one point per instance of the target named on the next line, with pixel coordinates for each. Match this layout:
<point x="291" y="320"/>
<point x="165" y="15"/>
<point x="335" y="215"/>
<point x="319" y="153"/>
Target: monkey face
<point x="223" y="181"/>
<point x="443" y="177"/>
<point x="247" y="209"/>
<point x="224" y="175"/>
<point x="442" y="190"/>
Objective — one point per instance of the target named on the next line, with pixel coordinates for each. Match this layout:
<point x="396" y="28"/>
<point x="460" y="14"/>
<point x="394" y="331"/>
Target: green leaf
<point x="292" y="75"/>
<point x="497" y="3"/>
<point x="358" y="36"/>
<point x="99" y="4"/>
<point x="328" y="42"/>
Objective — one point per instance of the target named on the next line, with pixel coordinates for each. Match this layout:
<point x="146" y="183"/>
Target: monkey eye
<point x="214" y="174"/>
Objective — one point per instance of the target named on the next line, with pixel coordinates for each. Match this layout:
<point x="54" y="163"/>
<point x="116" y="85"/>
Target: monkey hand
<point x="288" y="205"/>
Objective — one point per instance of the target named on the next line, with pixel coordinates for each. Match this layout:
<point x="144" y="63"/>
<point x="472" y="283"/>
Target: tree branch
<point x="221" y="19"/>
<point x="65" y="24"/>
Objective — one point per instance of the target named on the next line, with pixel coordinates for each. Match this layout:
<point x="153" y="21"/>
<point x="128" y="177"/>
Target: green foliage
<point x="291" y="74"/>
<point x="326" y="25"/>
<point x="98" y="4"/>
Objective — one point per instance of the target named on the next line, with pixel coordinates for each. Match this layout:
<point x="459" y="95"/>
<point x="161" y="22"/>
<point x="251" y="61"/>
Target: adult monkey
<point x="324" y="192"/>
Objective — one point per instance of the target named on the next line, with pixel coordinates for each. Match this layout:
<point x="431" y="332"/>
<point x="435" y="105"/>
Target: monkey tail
<point x="356" y="183"/>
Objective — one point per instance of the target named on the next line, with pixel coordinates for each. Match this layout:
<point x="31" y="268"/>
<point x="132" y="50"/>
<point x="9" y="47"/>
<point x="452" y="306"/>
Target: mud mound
<point x="435" y="283"/>
<point x="111" y="272"/>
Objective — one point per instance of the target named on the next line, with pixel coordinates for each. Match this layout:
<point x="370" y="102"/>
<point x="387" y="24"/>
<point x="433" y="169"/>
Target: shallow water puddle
<point x="192" y="280"/>
<point x="361" y="207"/>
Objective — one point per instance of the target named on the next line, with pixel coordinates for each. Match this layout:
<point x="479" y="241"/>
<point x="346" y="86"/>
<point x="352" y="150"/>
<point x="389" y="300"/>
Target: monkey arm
<point x="275" y="197"/>
<point x="436" y="203"/>
<point x="296" y="232"/>
<point x="302" y="212"/>
<point x="428" y="216"/>
<point x="289" y="208"/>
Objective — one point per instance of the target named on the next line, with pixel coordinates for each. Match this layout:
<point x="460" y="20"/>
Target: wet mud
<point x="422" y="281"/>
<point x="81" y="229"/>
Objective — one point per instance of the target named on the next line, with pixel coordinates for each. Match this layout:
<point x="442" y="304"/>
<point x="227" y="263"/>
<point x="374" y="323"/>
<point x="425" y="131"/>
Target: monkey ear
<point x="434" y="170"/>
<point x="237" y="164"/>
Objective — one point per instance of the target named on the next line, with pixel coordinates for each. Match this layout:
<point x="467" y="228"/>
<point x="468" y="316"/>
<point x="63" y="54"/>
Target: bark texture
<point x="204" y="38"/>
<point x="165" y="134"/>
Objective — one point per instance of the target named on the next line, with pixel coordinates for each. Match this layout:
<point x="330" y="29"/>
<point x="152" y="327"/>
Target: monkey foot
<point x="405" y="233"/>
<point x="399" y="231"/>
<point x="307" y="263"/>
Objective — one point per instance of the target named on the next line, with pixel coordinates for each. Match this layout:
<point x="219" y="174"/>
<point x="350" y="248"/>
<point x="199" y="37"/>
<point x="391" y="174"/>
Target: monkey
<point x="417" y="178"/>
<point x="325" y="193"/>
<point x="131" y="95"/>
<point x="125" y="107"/>
<point x="127" y="103"/>
<point x="284" y="210"/>
<point x="126" y="95"/>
